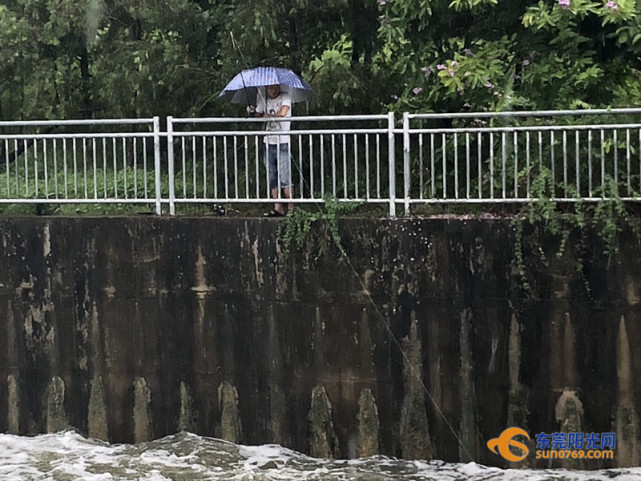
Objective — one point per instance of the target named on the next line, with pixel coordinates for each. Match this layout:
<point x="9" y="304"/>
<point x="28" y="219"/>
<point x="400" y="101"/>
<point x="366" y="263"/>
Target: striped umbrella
<point x="245" y="87"/>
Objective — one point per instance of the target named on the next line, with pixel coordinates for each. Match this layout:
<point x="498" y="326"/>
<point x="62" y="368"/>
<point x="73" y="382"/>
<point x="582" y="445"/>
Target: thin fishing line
<point x="413" y="370"/>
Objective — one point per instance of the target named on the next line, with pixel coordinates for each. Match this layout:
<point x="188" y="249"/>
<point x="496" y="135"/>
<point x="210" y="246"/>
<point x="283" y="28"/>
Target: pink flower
<point x="526" y="63"/>
<point x="427" y="71"/>
<point x="441" y="66"/>
<point x="564" y="3"/>
<point x="612" y="5"/>
<point x="417" y="90"/>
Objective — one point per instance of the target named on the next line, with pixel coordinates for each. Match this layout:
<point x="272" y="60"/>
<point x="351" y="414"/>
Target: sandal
<point x="273" y="213"/>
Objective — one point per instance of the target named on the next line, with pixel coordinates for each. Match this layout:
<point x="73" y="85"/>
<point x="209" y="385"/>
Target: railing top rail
<point x="297" y="118"/>
<point x="532" y="113"/>
<point x="38" y="123"/>
<point x="98" y="135"/>
<point x="264" y="133"/>
<point x="520" y="128"/>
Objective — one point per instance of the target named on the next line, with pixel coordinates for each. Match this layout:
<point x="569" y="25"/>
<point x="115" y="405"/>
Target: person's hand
<point x="251" y="110"/>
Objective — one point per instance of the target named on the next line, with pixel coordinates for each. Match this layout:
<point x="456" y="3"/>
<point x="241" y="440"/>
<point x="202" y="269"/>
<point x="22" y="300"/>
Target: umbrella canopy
<point x="245" y="87"/>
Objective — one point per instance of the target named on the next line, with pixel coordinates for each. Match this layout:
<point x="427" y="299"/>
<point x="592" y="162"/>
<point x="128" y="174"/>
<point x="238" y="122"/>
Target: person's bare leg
<point x="287" y="194"/>
<point x="278" y="207"/>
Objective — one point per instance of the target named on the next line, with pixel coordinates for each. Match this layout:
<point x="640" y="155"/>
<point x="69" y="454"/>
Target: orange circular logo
<point x="505" y="441"/>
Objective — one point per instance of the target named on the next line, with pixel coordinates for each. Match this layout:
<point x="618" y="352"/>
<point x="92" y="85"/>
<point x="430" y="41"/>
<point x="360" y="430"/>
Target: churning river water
<point x="67" y="456"/>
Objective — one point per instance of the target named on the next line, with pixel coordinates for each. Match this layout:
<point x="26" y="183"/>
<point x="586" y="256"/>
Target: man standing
<point x="277" y="159"/>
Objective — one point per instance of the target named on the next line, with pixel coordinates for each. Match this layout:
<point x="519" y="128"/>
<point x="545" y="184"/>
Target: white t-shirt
<point x="273" y="106"/>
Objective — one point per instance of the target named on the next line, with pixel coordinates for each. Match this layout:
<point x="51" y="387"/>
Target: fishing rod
<point x="250" y="108"/>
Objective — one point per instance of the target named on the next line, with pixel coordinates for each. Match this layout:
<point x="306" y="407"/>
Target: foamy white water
<point x="67" y="456"/>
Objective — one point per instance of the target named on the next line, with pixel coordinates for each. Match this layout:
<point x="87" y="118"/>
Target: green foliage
<point x="608" y="218"/>
<point x="296" y="227"/>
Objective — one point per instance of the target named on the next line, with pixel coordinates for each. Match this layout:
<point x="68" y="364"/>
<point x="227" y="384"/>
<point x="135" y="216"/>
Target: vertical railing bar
<point x="355" y="167"/>
<point x="479" y="151"/>
<point x="26" y="166"/>
<point x="215" y="162"/>
<point x="322" y="164"/>
<point x="35" y="165"/>
<point x="456" y="185"/>
<point x="345" y="188"/>
<point x="278" y="181"/>
<point x="516" y="165"/>
<point x="236" y="166"/>
<point x="114" y="149"/>
<point x="301" y="177"/>
<point x="378" y="166"/>
<point x="312" y="191"/>
<point x="183" y="157"/>
<point x="135" y="162"/>
<point x="627" y="158"/>
<point x="7" y="169"/>
<point x="616" y="161"/>
<point x="85" y="168"/>
<point x="540" y="151"/>
<point x="157" y="173"/>
<point x="246" y="166"/>
<point x="467" y="164"/>
<point x="171" y="166"/>
<point x="334" y="164"/>
<point x="602" y="163"/>
<point x="406" y="163"/>
<point x="420" y="166"/>
<point x="104" y="166"/>
<point x="194" y="169"/>
<point x="552" y="161"/>
<point x="444" y="149"/>
<point x="144" y="167"/>
<point x="565" y="163"/>
<point x="204" y="147"/>
<point x="367" y="193"/>
<point x="503" y="165"/>
<point x="226" y="168"/>
<point x="256" y="163"/>
<point x="15" y="149"/>
<point x="491" y="165"/>
<point x="577" y="148"/>
<point x="75" y="167"/>
<point x="589" y="163"/>
<point x="432" y="166"/>
<point x="527" y="164"/>
<point x="44" y="163"/>
<point x="124" y="167"/>
<point x="391" y="156"/>
<point x="95" y="168"/>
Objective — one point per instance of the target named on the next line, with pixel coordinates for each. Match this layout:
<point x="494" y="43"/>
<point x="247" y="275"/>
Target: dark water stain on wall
<point x="421" y="342"/>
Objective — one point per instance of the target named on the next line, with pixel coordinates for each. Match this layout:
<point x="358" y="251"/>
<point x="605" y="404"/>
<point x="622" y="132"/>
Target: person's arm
<point x="282" y="112"/>
<point x="252" y="112"/>
<point x="285" y="106"/>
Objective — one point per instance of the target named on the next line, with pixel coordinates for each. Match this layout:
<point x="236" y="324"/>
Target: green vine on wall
<point x="296" y="227"/>
<point x="607" y="217"/>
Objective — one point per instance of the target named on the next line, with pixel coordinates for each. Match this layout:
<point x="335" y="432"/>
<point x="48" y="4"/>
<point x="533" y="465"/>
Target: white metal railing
<point x="350" y="158"/>
<point x="428" y="158"/>
<point x="81" y="161"/>
<point x="521" y="156"/>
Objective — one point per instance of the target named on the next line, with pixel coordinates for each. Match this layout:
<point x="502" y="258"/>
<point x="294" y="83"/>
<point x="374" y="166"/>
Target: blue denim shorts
<point x="278" y="154"/>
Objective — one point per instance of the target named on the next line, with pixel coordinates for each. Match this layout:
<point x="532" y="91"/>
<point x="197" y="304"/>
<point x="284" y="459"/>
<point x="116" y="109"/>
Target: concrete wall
<point x="421" y="343"/>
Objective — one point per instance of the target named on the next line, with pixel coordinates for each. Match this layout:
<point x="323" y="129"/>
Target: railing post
<point x="392" y="164"/>
<point x="157" y="176"/>
<point x="170" y="159"/>
<point x="406" y="162"/>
